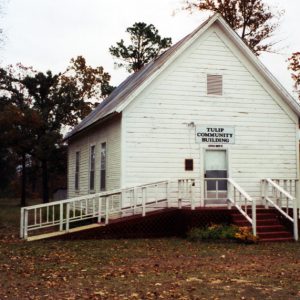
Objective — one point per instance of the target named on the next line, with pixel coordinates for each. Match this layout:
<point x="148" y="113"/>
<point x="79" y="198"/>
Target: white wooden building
<point x="149" y="124"/>
<point x="206" y="108"/>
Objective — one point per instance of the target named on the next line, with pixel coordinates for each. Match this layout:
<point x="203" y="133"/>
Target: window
<point x="92" y="168"/>
<point x="103" y="167"/>
<point x="77" y="162"/>
<point x="189" y="164"/>
<point x="215" y="85"/>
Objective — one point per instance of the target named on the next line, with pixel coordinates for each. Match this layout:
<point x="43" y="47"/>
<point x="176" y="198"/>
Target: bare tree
<point x="294" y="67"/>
<point x="253" y="20"/>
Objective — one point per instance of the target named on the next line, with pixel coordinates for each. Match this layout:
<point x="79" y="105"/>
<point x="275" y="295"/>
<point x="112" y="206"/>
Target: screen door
<point x="215" y="167"/>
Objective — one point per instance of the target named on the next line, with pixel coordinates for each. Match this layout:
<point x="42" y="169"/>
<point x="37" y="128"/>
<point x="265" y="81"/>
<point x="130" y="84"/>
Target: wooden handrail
<point x="239" y="206"/>
<point x="278" y="206"/>
<point x="279" y="188"/>
<point x="230" y="180"/>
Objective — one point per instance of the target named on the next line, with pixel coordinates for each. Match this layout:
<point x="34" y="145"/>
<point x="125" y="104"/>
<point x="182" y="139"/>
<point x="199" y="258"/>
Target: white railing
<point x="241" y="200"/>
<point x="101" y="207"/>
<point x="186" y="192"/>
<point x="289" y="185"/>
<point x="227" y="190"/>
<point x="273" y="194"/>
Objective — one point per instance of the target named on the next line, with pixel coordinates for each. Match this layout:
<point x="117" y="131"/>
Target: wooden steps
<point x="269" y="228"/>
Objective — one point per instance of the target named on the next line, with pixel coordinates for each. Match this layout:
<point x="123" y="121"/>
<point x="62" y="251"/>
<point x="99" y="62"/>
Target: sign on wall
<point x="215" y="135"/>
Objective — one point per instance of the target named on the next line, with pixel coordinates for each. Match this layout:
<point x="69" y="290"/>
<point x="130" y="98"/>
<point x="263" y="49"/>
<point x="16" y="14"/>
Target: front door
<point x="215" y="168"/>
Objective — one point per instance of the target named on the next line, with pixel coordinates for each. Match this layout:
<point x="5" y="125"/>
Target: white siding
<point x="109" y="133"/>
<point x="157" y="137"/>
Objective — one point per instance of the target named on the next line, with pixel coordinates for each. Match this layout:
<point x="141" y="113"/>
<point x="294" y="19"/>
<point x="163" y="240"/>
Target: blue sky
<point x="46" y="34"/>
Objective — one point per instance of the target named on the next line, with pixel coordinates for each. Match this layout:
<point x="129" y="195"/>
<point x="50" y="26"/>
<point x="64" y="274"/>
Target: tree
<point x="294" y="66"/>
<point x="36" y="106"/>
<point x="62" y="100"/>
<point x="253" y="20"/>
<point x="146" y="45"/>
<point x="17" y="121"/>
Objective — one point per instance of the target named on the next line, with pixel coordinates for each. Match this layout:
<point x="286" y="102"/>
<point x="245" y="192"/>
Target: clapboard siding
<point x="157" y="138"/>
<point x="109" y="133"/>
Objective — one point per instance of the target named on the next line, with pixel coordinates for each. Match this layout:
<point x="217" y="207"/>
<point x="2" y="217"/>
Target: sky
<point x="46" y="34"/>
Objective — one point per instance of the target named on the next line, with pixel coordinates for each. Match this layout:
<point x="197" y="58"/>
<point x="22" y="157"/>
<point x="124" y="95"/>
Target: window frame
<point x="77" y="171"/>
<point x="92" y="171"/>
<point x="103" y="171"/>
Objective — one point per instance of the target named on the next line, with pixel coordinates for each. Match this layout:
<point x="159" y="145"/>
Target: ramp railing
<point x="61" y="216"/>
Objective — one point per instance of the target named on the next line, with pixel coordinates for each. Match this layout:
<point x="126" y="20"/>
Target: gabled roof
<point x="136" y="82"/>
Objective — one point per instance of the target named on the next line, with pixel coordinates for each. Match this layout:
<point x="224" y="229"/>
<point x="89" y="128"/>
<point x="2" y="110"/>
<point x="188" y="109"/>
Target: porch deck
<point x="162" y="199"/>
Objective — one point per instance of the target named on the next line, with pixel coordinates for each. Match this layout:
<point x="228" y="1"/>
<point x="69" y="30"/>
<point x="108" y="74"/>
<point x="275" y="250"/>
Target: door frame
<point x="203" y="150"/>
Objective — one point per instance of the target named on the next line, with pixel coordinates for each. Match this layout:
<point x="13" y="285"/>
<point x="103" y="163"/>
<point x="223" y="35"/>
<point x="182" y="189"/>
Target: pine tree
<point x="146" y="45"/>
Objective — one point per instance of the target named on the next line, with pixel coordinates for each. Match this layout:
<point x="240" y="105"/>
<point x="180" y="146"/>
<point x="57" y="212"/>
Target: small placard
<point x="215" y="135"/>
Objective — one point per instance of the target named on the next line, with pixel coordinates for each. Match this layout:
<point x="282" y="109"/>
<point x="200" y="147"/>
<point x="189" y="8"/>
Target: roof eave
<point x="277" y="86"/>
<point x="70" y="135"/>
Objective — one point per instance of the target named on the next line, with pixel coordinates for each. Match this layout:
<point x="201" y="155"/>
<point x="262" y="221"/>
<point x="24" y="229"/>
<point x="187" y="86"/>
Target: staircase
<point x="269" y="227"/>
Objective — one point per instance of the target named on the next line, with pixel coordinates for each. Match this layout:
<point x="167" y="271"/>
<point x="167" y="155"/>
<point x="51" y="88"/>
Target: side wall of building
<point x="109" y="133"/>
<point x="158" y="132"/>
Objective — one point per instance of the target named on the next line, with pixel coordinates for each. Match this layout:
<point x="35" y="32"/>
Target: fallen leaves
<point x="147" y="269"/>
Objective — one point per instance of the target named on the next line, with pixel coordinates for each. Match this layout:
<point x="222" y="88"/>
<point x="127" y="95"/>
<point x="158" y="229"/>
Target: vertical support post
<point x="229" y="196"/>
<point x="143" y="201"/>
<point x="206" y="188"/>
<point x="297" y="192"/>
<point x="22" y="223"/>
<point x="167" y="194"/>
<point x="262" y="191"/>
<point x="192" y="195"/>
<point x="61" y="216"/>
<point x="156" y="193"/>
<point x="25" y="224"/>
<point x="135" y="199"/>
<point x="265" y="191"/>
<point x="99" y="209"/>
<point x="68" y="217"/>
<point x="295" y="217"/>
<point x="94" y="206"/>
<point x="106" y="210"/>
<point x="47" y="213"/>
<point x="41" y="217"/>
<point x="179" y="190"/>
<point x="180" y="203"/>
<point x="254" y="217"/>
<point x="202" y="191"/>
<point x="123" y="200"/>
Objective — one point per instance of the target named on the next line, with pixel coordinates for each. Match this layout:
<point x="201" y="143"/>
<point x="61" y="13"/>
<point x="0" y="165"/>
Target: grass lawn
<point x="142" y="269"/>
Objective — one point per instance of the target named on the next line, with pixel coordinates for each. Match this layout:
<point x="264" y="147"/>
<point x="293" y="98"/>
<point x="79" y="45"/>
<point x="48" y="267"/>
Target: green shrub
<point x="213" y="232"/>
<point x="221" y="232"/>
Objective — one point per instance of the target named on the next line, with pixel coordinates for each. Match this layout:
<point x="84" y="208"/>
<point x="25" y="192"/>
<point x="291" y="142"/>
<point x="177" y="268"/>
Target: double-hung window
<point x="92" y="168"/>
<point x="77" y="170"/>
<point x="103" y="167"/>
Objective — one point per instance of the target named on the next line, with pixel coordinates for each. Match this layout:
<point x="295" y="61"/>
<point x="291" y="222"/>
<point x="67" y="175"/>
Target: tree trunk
<point x="45" y="181"/>
<point x="23" y="181"/>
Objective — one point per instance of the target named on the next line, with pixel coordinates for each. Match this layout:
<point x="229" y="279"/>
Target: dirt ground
<point x="169" y="268"/>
